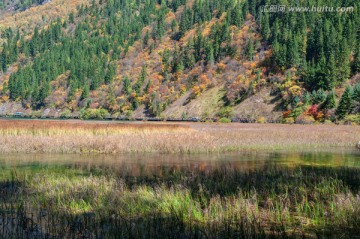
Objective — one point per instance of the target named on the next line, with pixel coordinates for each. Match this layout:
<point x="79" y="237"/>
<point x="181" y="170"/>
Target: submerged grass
<point x="221" y="203"/>
<point x="26" y="136"/>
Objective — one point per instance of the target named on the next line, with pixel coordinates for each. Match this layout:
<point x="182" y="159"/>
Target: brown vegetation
<point x="99" y="137"/>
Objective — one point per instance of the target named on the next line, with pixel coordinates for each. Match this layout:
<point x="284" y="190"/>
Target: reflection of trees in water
<point x="142" y="164"/>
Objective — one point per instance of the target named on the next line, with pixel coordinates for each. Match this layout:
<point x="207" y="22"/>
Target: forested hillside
<point x="181" y="59"/>
<point x="20" y="5"/>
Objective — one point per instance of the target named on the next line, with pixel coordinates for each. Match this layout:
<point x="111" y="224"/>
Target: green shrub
<point x="296" y="112"/>
<point x="226" y="112"/>
<point x="289" y="120"/>
<point x="36" y="114"/>
<point x="261" y="120"/>
<point x="225" y="120"/>
<point x="94" y="114"/>
<point x="66" y="114"/>
<point x="352" y="119"/>
<point x="305" y="119"/>
<point x="328" y="122"/>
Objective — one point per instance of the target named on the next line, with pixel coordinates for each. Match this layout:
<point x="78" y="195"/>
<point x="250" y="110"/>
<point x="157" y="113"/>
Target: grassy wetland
<point x="24" y="136"/>
<point x="141" y="180"/>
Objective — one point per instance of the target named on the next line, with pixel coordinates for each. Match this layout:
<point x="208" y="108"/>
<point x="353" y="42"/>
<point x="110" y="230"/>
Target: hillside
<point x="180" y="59"/>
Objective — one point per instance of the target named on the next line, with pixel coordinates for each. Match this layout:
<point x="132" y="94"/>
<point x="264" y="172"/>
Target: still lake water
<point x="153" y="164"/>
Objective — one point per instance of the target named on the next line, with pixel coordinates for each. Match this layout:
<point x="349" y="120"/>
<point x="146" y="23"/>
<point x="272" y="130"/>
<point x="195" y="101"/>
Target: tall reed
<point x="93" y="137"/>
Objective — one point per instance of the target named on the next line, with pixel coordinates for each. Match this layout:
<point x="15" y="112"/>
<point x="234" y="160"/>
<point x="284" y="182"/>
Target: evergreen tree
<point x="210" y="54"/>
<point x="292" y="56"/>
<point x="319" y="96"/>
<point x="249" y="50"/>
<point x="265" y="26"/>
<point x="110" y="74"/>
<point x="173" y="25"/>
<point x="330" y="74"/>
<point x="3" y="60"/>
<point x="356" y="63"/>
<point x="85" y="92"/>
<point x="356" y="99"/>
<point x="345" y="103"/>
<point x="235" y="16"/>
<point x="307" y="98"/>
<point x="330" y="101"/>
<point x="127" y="86"/>
<point x="44" y="92"/>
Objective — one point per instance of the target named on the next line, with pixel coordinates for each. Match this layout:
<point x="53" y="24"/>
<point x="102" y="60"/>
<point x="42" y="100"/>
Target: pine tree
<point x="147" y="87"/>
<point x="235" y="16"/>
<point x="44" y="92"/>
<point x="356" y="93"/>
<point x="265" y="26"/>
<point x="85" y="92"/>
<point x="210" y="54"/>
<point x="356" y="99"/>
<point x="292" y="52"/>
<point x="330" y="77"/>
<point x="185" y="22"/>
<point x="198" y="46"/>
<point x="356" y="63"/>
<point x="143" y="74"/>
<point x="319" y="96"/>
<point x="249" y="50"/>
<point x="345" y="103"/>
<point x="173" y="25"/>
<point x="330" y="101"/>
<point x="307" y="98"/>
<point x="127" y="86"/>
<point x="110" y="74"/>
<point x="3" y="59"/>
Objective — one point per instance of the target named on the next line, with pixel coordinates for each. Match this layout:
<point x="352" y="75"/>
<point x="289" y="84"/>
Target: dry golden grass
<point x="79" y="128"/>
<point x="28" y="136"/>
<point x="281" y="136"/>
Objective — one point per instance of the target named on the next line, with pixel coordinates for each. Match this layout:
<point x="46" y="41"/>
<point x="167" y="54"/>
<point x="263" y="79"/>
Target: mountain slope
<point x="182" y="58"/>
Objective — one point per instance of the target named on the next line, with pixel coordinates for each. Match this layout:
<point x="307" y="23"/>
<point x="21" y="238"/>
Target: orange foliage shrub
<point x="286" y="114"/>
<point x="221" y="66"/>
<point x="196" y="90"/>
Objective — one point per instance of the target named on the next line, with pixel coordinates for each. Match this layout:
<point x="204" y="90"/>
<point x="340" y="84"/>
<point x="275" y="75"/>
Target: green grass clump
<point x="225" y="120"/>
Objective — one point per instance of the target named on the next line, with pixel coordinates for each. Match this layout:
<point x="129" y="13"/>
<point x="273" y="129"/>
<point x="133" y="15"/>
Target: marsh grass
<point x="78" y="128"/>
<point x="26" y="136"/>
<point x="221" y="203"/>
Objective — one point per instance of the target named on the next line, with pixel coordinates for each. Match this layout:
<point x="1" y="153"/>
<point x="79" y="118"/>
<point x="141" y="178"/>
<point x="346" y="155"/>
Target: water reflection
<point x="153" y="164"/>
